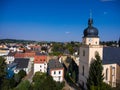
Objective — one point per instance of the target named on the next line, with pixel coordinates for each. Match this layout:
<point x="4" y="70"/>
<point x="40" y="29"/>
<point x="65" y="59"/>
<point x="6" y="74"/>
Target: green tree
<point x="73" y="70"/>
<point x="42" y="81"/>
<point x="22" y="74"/>
<point x="24" y="85"/>
<point x="17" y="78"/>
<point x="95" y="78"/>
<point x="2" y="70"/>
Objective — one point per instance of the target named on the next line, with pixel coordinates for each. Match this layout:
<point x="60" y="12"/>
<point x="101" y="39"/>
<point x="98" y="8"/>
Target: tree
<point x="42" y="81"/>
<point x="22" y="74"/>
<point x="24" y="85"/>
<point x="73" y="70"/>
<point x="2" y="70"/>
<point x="95" y="78"/>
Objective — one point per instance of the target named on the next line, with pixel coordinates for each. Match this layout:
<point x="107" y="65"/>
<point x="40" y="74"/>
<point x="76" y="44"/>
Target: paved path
<point x="29" y="76"/>
<point x="67" y="86"/>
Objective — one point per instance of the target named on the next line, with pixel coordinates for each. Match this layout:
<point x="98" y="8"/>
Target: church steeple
<point x="90" y="33"/>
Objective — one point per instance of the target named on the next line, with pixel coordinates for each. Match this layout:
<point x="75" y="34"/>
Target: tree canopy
<point x="42" y="81"/>
<point x="95" y="78"/>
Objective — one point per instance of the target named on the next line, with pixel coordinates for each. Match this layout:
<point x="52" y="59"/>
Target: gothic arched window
<point x="83" y="52"/>
<point x="106" y="77"/>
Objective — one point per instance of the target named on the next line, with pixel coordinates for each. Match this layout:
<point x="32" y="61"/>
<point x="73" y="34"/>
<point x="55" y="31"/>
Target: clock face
<point x="90" y="39"/>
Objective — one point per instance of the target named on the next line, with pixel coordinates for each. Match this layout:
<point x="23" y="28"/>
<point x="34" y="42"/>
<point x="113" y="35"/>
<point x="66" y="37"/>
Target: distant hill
<point x="16" y="41"/>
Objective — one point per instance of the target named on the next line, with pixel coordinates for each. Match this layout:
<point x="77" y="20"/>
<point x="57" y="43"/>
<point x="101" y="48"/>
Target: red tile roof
<point x="40" y="59"/>
<point x="23" y="55"/>
<point x="19" y="55"/>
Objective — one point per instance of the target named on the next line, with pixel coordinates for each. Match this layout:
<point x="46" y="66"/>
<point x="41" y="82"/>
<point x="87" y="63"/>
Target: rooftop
<point x="40" y="59"/>
<point x="22" y="62"/>
<point x="111" y="55"/>
<point x="11" y="54"/>
<point x="54" y="64"/>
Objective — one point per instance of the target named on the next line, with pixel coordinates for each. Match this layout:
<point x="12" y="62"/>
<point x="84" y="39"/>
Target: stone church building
<point x="109" y="55"/>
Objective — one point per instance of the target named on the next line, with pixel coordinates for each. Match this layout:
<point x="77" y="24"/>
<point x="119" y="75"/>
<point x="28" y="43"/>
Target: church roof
<point x="90" y="31"/>
<point x="111" y="55"/>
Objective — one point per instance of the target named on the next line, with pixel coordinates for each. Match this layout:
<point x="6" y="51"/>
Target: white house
<point x="40" y="63"/>
<point x="4" y="51"/>
<point x="56" y="70"/>
<point x="10" y="57"/>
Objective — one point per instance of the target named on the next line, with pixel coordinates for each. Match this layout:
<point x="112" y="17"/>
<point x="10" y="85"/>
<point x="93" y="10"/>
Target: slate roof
<point x="54" y="64"/>
<point x="40" y="54"/>
<point x="111" y="55"/>
<point x="22" y="62"/>
<point x="11" y="53"/>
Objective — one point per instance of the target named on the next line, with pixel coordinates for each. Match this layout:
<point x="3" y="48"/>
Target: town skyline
<point x="58" y="20"/>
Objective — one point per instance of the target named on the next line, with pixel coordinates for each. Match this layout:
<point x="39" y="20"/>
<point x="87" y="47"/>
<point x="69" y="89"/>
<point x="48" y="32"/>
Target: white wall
<point x="42" y="67"/>
<point x="56" y="76"/>
<point x="91" y="41"/>
<point x="9" y="59"/>
<point x="111" y="74"/>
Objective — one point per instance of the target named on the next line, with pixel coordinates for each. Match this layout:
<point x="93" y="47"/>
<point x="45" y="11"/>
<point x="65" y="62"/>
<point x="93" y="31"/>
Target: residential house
<point x="40" y="63"/>
<point x="56" y="70"/>
<point x="4" y="51"/>
<point x="22" y="64"/>
<point x="10" y="57"/>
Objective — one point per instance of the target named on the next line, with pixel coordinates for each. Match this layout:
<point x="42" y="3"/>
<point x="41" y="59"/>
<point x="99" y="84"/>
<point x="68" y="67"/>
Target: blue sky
<point x="58" y="20"/>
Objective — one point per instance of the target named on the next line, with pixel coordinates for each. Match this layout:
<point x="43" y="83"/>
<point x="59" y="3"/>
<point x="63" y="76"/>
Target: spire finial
<point x="90" y="21"/>
<point x="90" y="13"/>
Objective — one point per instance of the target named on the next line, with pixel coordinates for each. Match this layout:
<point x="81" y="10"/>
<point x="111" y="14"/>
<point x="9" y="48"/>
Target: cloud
<point x="67" y="32"/>
<point x="107" y="0"/>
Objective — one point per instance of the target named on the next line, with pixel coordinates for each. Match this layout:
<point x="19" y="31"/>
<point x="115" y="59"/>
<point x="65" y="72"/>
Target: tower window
<point x="106" y="77"/>
<point x="96" y="42"/>
<point x="83" y="71"/>
<point x="83" y="52"/>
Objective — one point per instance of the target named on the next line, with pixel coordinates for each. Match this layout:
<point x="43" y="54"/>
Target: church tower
<point x="90" y="46"/>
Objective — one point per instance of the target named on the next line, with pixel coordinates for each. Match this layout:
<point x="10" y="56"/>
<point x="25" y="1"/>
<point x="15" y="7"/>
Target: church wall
<point x="110" y="74"/>
<point x="93" y="50"/>
<point x="91" y="41"/>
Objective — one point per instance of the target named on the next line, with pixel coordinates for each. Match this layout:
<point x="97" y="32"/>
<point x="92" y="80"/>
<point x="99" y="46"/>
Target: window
<point x="83" y="52"/>
<point x="40" y="66"/>
<point x="106" y="77"/>
<point x="40" y="70"/>
<point x="59" y="72"/>
<point x="96" y="53"/>
<point x="96" y="42"/>
<point x="54" y="72"/>
<point x="113" y="71"/>
<point x="83" y="70"/>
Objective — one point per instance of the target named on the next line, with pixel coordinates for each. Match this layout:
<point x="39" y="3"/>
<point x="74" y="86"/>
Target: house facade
<point x="56" y="70"/>
<point x="40" y="63"/>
